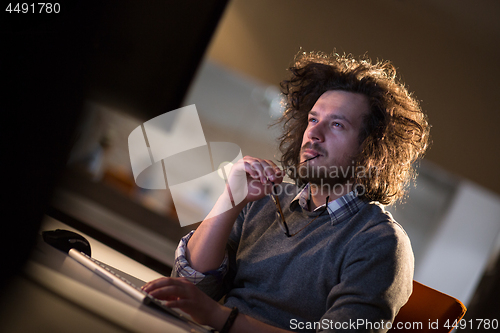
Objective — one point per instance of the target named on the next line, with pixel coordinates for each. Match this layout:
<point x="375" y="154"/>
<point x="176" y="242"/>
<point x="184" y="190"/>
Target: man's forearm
<point x="206" y="247"/>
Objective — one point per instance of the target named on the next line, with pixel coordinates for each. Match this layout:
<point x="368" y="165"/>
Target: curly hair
<point x="394" y="134"/>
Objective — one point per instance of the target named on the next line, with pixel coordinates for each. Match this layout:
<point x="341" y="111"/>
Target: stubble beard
<point x="336" y="173"/>
<point x="319" y="175"/>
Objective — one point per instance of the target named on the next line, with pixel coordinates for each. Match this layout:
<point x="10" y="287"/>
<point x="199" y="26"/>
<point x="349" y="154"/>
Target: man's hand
<point x="182" y="294"/>
<point x="206" y="248"/>
<point x="260" y="175"/>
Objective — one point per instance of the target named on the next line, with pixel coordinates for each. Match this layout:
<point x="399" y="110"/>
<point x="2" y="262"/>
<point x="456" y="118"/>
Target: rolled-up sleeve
<point x="182" y="267"/>
<point x="215" y="283"/>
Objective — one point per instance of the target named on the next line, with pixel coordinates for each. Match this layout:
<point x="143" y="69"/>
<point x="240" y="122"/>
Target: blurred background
<point x="142" y="65"/>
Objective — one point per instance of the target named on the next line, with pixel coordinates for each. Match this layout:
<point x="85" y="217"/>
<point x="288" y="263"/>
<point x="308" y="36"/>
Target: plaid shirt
<point x="339" y="210"/>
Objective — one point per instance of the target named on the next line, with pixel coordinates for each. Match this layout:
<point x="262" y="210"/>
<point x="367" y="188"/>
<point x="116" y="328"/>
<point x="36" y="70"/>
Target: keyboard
<point x="130" y="289"/>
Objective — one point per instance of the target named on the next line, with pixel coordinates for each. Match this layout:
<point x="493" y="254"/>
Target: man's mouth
<point x="312" y="155"/>
<point x="311" y="158"/>
<point x="311" y="152"/>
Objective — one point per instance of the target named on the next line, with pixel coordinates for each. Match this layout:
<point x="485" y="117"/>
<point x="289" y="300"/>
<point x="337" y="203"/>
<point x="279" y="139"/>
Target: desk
<point x="57" y="294"/>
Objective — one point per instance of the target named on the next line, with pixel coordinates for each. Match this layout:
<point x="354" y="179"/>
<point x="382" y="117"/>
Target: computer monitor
<point x="139" y="54"/>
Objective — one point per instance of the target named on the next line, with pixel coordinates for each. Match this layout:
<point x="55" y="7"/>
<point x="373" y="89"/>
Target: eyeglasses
<point x="280" y="217"/>
<point x="279" y="212"/>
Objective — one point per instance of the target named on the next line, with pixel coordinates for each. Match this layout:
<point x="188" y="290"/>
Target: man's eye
<point x="312" y="120"/>
<point x="339" y="125"/>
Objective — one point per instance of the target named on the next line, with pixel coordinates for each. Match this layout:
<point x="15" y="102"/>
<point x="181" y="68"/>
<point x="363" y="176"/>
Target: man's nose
<point x="316" y="133"/>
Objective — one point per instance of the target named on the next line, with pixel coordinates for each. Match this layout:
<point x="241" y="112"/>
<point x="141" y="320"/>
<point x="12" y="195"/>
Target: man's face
<point x="332" y="134"/>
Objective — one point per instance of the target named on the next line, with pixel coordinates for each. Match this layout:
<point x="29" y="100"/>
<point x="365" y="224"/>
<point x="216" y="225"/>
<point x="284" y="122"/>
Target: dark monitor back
<point x="138" y="54"/>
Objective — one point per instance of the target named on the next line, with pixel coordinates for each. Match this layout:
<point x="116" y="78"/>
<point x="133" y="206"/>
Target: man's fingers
<point x="265" y="170"/>
<point x="153" y="284"/>
<point x="273" y="172"/>
<point x="169" y="292"/>
<point x="268" y="170"/>
<point x="255" y="169"/>
<point x="162" y="282"/>
<point x="172" y="289"/>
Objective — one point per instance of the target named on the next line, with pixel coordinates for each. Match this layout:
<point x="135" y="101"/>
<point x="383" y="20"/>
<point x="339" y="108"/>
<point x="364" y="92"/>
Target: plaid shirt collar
<point x="339" y="210"/>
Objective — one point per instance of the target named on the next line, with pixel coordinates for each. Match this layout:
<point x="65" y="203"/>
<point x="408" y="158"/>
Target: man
<point x="321" y="254"/>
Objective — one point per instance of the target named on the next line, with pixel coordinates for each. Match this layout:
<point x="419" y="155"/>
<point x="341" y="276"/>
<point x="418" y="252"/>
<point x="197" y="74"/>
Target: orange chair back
<point x="436" y="312"/>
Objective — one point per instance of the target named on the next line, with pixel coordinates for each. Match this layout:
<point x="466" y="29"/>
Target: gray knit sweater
<point x="335" y="275"/>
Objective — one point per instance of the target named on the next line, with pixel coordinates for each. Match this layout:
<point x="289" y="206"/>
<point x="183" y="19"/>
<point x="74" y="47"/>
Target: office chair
<point x="426" y="306"/>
